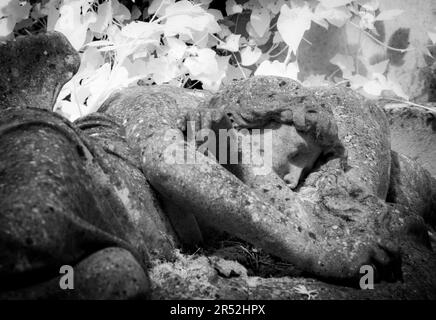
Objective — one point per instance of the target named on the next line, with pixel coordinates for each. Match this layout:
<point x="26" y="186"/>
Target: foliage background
<point x="200" y="43"/>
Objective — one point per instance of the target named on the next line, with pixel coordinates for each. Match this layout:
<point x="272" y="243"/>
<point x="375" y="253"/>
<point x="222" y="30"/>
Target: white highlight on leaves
<point x="277" y="68"/>
<point x="231" y="43"/>
<point x="232" y="7"/>
<point x="293" y="23"/>
<point x="250" y="55"/>
<point x="260" y="20"/>
<point x="345" y="63"/>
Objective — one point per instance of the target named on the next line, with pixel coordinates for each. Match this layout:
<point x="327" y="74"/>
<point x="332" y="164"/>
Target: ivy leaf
<point x="345" y="63"/>
<point x="394" y="85"/>
<point x="373" y="87"/>
<point x="50" y="9"/>
<point x="231" y="43"/>
<point x="90" y="61"/>
<point x="120" y="12"/>
<point x="202" y="39"/>
<point x="180" y="24"/>
<point x="388" y="14"/>
<point x="367" y="20"/>
<point x="103" y="83"/>
<point x="11" y="12"/>
<point x="357" y="81"/>
<point x="137" y="38"/>
<point x="216" y="14"/>
<point x="260" y="20"/>
<point x="185" y="19"/>
<point x="380" y="84"/>
<point x="183" y="7"/>
<point x="255" y="38"/>
<point x="107" y="79"/>
<point x="136" y="13"/>
<point x="163" y="69"/>
<point x="334" y="3"/>
<point x="14" y="9"/>
<point x="213" y="82"/>
<point x="250" y="55"/>
<point x="73" y="24"/>
<point x="224" y="32"/>
<point x="336" y="16"/>
<point x="277" y="37"/>
<point x="207" y="67"/>
<point x="140" y="29"/>
<point x="370" y="5"/>
<point x="379" y="68"/>
<point x="272" y="5"/>
<point x="104" y="17"/>
<point x="161" y="5"/>
<point x="232" y="7"/>
<point x="423" y="50"/>
<point x="203" y="63"/>
<point x="301" y="289"/>
<point x="277" y="68"/>
<point x="176" y="48"/>
<point x="36" y="12"/>
<point x="292" y="23"/>
<point x="322" y="22"/>
<point x="204" y="3"/>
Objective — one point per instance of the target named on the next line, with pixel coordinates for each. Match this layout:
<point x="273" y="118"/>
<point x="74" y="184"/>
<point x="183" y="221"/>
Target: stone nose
<point x="293" y="176"/>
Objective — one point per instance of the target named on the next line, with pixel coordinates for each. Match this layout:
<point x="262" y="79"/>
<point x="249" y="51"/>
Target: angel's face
<point x="293" y="153"/>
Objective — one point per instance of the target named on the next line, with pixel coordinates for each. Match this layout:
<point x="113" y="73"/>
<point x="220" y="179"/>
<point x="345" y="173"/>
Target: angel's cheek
<point x="285" y="144"/>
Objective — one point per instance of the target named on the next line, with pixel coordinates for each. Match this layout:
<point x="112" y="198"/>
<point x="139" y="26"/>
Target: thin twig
<point x="281" y="51"/>
<point x="329" y="77"/>
<point x="411" y="103"/>
<point x="341" y="82"/>
<point x="288" y="56"/>
<point x="272" y="27"/>
<point x="190" y="87"/>
<point x="310" y="43"/>
<point x="383" y="44"/>
<point x="155" y="13"/>
<point x="239" y="66"/>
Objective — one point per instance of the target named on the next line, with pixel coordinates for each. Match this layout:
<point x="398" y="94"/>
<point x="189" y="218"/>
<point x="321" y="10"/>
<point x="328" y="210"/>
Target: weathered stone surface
<point x="33" y="70"/>
<point x="57" y="204"/>
<point x="337" y="118"/>
<point x="413" y="187"/>
<point x="148" y="113"/>
<point x="337" y="204"/>
<point x="195" y="278"/>
<point x="111" y="273"/>
<point x="217" y="199"/>
<point x="198" y="277"/>
<point x="363" y="130"/>
<point x="413" y="133"/>
<point x="123" y="168"/>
